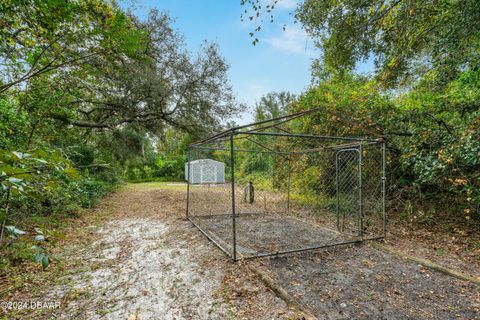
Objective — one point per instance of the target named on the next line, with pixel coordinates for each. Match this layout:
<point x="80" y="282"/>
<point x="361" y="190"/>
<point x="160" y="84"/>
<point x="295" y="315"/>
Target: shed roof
<point x="205" y="160"/>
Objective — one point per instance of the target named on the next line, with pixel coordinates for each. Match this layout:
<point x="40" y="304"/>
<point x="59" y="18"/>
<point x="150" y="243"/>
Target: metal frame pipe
<point x="234" y="223"/>
<point x="384" y="191"/>
<point x="301" y="135"/>
<point x="354" y="143"/>
<point x="188" y="181"/>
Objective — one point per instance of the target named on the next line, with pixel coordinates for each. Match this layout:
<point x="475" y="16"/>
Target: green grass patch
<point x="175" y="186"/>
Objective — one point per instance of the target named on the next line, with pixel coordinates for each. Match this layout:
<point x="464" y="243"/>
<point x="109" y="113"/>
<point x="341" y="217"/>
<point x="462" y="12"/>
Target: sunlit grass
<point x="177" y="186"/>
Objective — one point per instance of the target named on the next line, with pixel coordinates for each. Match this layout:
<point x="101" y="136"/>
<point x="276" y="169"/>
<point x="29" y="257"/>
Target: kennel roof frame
<point x="263" y="128"/>
<point x="274" y="123"/>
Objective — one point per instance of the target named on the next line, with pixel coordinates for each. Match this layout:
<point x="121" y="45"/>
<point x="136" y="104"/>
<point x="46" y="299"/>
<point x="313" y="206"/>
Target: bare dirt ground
<point x="360" y="282"/>
<point x="136" y="257"/>
<point x="455" y="247"/>
<point x="148" y="262"/>
<point x="452" y="242"/>
<point x="265" y="233"/>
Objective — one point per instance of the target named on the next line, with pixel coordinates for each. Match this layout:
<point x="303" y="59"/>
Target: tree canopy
<point x="407" y="39"/>
<point x="422" y="96"/>
<point x="89" y="93"/>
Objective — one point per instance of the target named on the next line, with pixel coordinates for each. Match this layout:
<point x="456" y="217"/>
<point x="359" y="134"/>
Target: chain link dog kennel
<point x="286" y="192"/>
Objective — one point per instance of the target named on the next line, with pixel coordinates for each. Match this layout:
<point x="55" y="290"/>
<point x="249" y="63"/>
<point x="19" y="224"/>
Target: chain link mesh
<point x="290" y="193"/>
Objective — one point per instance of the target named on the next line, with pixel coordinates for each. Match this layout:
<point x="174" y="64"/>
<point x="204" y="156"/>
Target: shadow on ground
<point x="360" y="282"/>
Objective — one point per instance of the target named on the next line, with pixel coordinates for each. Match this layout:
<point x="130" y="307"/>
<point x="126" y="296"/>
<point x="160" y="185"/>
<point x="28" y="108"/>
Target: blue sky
<point x="280" y="61"/>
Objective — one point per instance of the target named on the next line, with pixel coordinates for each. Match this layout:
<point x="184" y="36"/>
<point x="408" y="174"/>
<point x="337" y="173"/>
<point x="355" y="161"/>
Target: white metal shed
<point x="205" y="171"/>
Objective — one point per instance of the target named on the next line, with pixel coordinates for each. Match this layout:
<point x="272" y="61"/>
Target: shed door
<point x="196" y="174"/>
<point x="209" y="173"/>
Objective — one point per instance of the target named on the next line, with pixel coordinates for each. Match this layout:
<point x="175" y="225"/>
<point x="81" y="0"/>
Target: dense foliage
<point x="89" y="96"/>
<point x="434" y="144"/>
<point x="406" y="38"/>
<point x="423" y="96"/>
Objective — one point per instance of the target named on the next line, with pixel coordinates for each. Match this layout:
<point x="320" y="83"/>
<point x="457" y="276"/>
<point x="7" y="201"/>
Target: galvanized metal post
<point x="288" y="192"/>
<point x="360" y="188"/>
<point x="384" y="181"/>
<point x="232" y="165"/>
<point x="337" y="192"/>
<point x="188" y="179"/>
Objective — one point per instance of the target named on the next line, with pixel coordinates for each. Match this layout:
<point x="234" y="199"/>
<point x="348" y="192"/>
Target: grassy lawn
<point x="175" y="186"/>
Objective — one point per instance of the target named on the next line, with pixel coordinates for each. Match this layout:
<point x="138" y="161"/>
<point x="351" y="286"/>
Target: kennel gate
<point x="348" y="172"/>
<point x="311" y="191"/>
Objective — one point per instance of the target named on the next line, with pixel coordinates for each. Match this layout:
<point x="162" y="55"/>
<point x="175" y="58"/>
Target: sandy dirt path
<point x="136" y="257"/>
<point x="148" y="262"/>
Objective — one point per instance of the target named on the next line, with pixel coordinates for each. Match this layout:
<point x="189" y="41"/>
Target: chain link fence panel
<point x="286" y="193"/>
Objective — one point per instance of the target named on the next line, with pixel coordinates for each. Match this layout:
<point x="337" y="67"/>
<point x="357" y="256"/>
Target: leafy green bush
<point x="40" y="184"/>
<point x="433" y="137"/>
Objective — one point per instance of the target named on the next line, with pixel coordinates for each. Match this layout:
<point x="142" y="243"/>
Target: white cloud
<point x="281" y="4"/>
<point x="250" y="94"/>
<point x="293" y="40"/>
<point x="254" y="91"/>
<point x="287" y="4"/>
